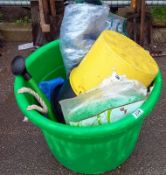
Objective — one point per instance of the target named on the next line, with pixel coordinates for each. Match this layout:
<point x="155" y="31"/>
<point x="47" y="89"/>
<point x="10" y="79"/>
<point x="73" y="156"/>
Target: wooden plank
<point x="44" y="26"/>
<point x="53" y="7"/>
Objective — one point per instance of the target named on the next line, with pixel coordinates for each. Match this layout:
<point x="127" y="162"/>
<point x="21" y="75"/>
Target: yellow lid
<point x="113" y="52"/>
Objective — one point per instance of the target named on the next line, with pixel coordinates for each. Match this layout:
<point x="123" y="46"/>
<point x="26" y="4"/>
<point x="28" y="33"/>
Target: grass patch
<point x="23" y="20"/>
<point x="159" y="14"/>
<point x="1" y="17"/>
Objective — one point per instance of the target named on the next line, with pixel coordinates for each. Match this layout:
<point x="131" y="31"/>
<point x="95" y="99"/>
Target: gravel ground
<point x="23" y="150"/>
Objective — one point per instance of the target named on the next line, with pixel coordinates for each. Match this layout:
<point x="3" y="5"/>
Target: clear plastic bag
<point x="109" y="116"/>
<point x="113" y="92"/>
<point x="116" y="23"/>
<point x="81" y="25"/>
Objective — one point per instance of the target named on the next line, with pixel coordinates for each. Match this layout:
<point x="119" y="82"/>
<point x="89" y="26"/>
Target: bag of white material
<point x="81" y="25"/>
<point x="113" y="92"/>
<point x="110" y="115"/>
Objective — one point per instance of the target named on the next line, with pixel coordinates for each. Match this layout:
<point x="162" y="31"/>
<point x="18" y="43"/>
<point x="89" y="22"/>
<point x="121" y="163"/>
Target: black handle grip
<point x="18" y="67"/>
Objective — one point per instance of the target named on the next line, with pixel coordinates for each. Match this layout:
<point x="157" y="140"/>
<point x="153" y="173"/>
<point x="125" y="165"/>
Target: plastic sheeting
<point x="81" y="25"/>
<point x="113" y="92"/>
<point x="116" y="23"/>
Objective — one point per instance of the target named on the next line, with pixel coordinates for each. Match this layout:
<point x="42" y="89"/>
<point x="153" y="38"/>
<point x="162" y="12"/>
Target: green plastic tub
<point x="89" y="150"/>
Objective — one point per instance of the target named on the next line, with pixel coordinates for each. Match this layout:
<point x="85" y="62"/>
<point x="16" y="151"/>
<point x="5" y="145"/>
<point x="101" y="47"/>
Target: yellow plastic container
<point x="113" y="52"/>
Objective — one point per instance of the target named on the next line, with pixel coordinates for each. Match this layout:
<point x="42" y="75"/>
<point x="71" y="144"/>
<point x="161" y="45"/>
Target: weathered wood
<point x="52" y="14"/>
<point x="53" y="7"/>
<point x="142" y="23"/>
<point x="133" y="4"/>
<point x="38" y="35"/>
<point x="45" y="27"/>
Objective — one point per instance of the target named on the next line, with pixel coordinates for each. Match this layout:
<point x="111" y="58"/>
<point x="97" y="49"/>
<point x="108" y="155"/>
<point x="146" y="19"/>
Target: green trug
<point x="89" y="150"/>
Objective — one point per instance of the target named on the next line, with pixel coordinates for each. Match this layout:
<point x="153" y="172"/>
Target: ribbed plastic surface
<point x="90" y="155"/>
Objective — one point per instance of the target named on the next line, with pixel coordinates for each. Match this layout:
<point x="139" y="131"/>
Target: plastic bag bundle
<point x="113" y="92"/>
<point x="81" y="25"/>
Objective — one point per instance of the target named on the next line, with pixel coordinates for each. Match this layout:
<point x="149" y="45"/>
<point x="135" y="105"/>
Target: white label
<point x="137" y="113"/>
<point x="25" y="46"/>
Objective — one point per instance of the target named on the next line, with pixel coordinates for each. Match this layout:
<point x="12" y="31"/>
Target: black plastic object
<point x="18" y="67"/>
<point x="61" y="92"/>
